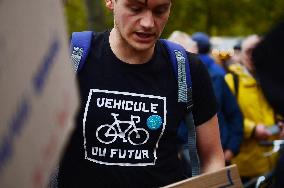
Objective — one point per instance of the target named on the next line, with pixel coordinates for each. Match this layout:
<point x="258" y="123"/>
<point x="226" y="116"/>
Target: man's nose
<point x="147" y="20"/>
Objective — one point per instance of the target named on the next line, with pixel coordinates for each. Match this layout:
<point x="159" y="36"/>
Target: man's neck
<point x="127" y="53"/>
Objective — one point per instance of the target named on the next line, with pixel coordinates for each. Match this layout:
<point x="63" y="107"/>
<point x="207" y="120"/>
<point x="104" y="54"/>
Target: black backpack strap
<point x="236" y="83"/>
<point x="180" y="64"/>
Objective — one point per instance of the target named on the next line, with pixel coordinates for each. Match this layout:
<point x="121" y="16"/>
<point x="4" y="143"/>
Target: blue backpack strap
<point x="80" y="47"/>
<point x="180" y="63"/>
<point x="181" y="68"/>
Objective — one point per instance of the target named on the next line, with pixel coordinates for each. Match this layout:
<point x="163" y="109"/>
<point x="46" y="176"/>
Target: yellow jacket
<point x="256" y="110"/>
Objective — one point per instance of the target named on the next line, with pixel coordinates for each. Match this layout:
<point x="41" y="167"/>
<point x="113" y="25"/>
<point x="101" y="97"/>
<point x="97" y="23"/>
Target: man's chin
<point x="143" y="46"/>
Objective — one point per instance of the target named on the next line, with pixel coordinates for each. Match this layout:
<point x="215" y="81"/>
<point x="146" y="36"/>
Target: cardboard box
<point x="227" y="177"/>
<point x="37" y="89"/>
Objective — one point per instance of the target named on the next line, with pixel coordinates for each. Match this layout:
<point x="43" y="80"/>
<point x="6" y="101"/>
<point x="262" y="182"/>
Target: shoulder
<point x="193" y="57"/>
<point x="194" y="60"/>
<point x="236" y="68"/>
<point x="197" y="68"/>
<point x="162" y="46"/>
<point x="219" y="70"/>
<point x="98" y="44"/>
<point x="195" y="64"/>
<point x="99" y="37"/>
<point x="214" y="68"/>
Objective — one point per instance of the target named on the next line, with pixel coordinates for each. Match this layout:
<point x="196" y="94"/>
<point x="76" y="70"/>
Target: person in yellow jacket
<point x="258" y="116"/>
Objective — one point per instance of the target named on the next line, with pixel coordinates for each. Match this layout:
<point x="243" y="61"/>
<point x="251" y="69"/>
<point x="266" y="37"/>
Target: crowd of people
<point x="129" y="65"/>
<point x="245" y="116"/>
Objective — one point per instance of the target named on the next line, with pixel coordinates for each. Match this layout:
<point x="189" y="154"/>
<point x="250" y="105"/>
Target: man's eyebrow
<point x="144" y="2"/>
<point x="164" y="5"/>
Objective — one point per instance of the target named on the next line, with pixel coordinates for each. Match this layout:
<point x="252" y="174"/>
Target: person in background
<point x="236" y="58"/>
<point x="184" y="39"/>
<point x="269" y="66"/>
<point x="234" y="64"/>
<point x="128" y="79"/>
<point x="229" y="115"/>
<point x="258" y="116"/>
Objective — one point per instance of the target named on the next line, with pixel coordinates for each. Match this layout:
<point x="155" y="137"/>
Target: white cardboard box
<point x="37" y="89"/>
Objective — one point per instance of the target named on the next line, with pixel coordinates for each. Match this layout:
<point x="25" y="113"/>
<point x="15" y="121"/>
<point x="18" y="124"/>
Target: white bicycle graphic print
<point x="109" y="133"/>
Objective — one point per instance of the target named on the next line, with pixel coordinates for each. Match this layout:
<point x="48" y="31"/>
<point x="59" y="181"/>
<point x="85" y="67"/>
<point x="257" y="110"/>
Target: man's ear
<point x="109" y="4"/>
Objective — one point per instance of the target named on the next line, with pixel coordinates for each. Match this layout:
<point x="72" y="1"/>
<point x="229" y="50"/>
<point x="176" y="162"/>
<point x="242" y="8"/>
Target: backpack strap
<point x="236" y="83"/>
<point x="180" y="63"/>
<point x="80" y="47"/>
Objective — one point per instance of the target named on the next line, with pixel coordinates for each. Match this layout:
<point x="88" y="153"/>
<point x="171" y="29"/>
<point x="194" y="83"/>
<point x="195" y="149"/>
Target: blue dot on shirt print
<point x="154" y="122"/>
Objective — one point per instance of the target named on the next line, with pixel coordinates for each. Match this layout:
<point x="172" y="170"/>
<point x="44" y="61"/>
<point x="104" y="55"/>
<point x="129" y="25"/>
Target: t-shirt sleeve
<point x="204" y="100"/>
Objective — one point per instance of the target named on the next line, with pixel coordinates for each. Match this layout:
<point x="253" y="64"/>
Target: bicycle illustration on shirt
<point x="109" y="133"/>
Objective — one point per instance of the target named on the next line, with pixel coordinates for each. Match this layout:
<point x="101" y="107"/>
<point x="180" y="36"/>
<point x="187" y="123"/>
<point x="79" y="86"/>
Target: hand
<point x="228" y="154"/>
<point x="261" y="133"/>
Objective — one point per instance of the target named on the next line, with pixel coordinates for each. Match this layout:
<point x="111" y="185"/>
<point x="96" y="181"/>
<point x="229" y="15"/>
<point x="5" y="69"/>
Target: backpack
<point x="80" y="46"/>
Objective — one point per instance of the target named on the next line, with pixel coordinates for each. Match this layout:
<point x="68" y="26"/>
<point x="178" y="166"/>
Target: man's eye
<point x="161" y="11"/>
<point x="136" y="9"/>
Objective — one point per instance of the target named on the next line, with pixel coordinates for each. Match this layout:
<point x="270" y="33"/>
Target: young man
<point x="126" y="131"/>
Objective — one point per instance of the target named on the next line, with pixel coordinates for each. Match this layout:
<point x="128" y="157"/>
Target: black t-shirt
<point x="126" y="131"/>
